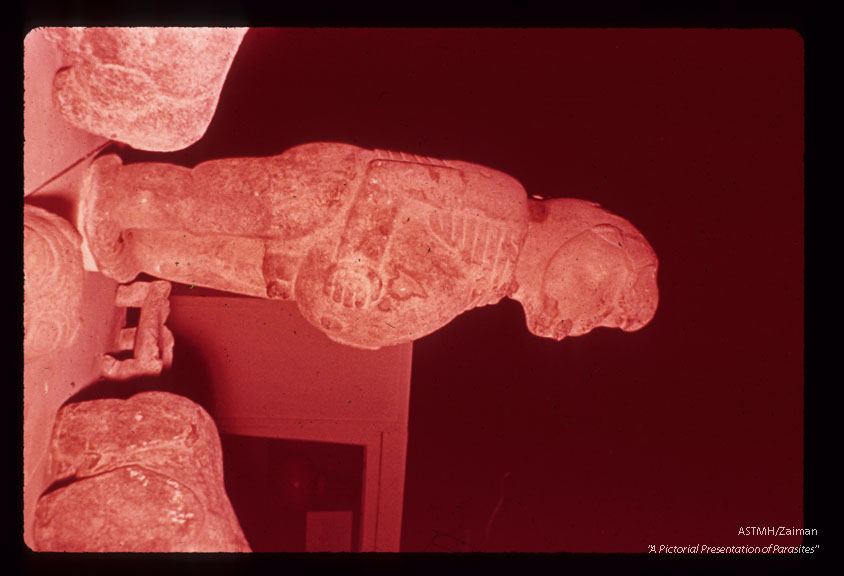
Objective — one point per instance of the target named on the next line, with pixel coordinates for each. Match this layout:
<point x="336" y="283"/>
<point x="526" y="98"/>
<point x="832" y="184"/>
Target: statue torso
<point x="422" y="241"/>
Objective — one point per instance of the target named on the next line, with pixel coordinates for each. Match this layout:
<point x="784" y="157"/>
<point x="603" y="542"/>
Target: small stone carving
<point x="377" y="248"/>
<point x="137" y="475"/>
<point x="151" y="341"/>
<point x="53" y="278"/>
<point x="152" y="88"/>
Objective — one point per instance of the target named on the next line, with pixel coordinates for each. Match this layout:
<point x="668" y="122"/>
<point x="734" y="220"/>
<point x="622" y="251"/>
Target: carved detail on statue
<point x="137" y="475"/>
<point x="377" y="248"/>
<point x="151" y="342"/>
<point x="53" y="280"/>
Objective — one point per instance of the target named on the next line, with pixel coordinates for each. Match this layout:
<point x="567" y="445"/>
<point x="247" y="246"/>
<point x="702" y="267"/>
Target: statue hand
<point x="352" y="285"/>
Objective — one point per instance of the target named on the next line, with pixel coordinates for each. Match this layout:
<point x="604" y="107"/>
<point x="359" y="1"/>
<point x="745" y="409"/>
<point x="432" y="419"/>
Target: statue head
<point x="582" y="267"/>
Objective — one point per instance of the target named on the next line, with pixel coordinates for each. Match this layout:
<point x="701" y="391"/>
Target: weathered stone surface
<point x="150" y="341"/>
<point x="142" y="475"/>
<point x="582" y="267"/>
<point x="377" y="248"/>
<point x="152" y="88"/>
<point x="53" y="277"/>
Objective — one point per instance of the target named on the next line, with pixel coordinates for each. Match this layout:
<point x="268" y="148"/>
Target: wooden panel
<point x="329" y="531"/>
<point x="391" y="491"/>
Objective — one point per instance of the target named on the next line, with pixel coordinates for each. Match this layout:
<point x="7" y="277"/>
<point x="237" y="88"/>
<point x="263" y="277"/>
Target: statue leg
<point x="153" y="218"/>
<point x="118" y="199"/>
<point x="103" y="238"/>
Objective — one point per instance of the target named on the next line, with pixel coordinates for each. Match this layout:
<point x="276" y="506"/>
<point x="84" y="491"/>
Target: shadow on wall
<point x="187" y="377"/>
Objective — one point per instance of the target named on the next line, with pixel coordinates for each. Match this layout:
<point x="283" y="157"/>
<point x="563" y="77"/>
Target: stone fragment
<point x="137" y="475"/>
<point x="150" y="341"/>
<point x="53" y="279"/>
<point x="377" y="248"/>
<point x="152" y="88"/>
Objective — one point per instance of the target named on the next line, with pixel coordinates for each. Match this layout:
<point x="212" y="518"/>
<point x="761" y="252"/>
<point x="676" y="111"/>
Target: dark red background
<point x="678" y="434"/>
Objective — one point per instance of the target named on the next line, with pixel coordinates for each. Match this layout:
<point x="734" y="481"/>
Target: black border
<point x="818" y="433"/>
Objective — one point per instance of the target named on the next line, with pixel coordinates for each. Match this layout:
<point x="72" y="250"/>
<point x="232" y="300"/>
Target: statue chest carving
<point x="417" y="248"/>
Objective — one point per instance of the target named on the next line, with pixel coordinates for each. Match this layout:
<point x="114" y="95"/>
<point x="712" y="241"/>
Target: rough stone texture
<point x="152" y="88"/>
<point x="151" y="341"/>
<point x="377" y="248"/>
<point x="140" y="475"/>
<point x="582" y="267"/>
<point x="53" y="277"/>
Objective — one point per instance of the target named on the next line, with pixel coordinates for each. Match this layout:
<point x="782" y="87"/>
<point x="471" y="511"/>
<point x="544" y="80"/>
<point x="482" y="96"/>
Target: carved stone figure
<point x="152" y="88"/>
<point x="53" y="279"/>
<point x="137" y="475"/>
<point x="151" y="341"/>
<point x="377" y="248"/>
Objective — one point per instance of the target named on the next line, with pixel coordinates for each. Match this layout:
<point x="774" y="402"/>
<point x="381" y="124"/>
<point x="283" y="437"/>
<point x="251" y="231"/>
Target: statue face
<point x="590" y="282"/>
<point x="603" y="273"/>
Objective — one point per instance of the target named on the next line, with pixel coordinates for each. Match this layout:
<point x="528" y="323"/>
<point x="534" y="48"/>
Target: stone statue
<point x="53" y="281"/>
<point x="137" y="475"/>
<point x="377" y="248"/>
<point x="151" y="342"/>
